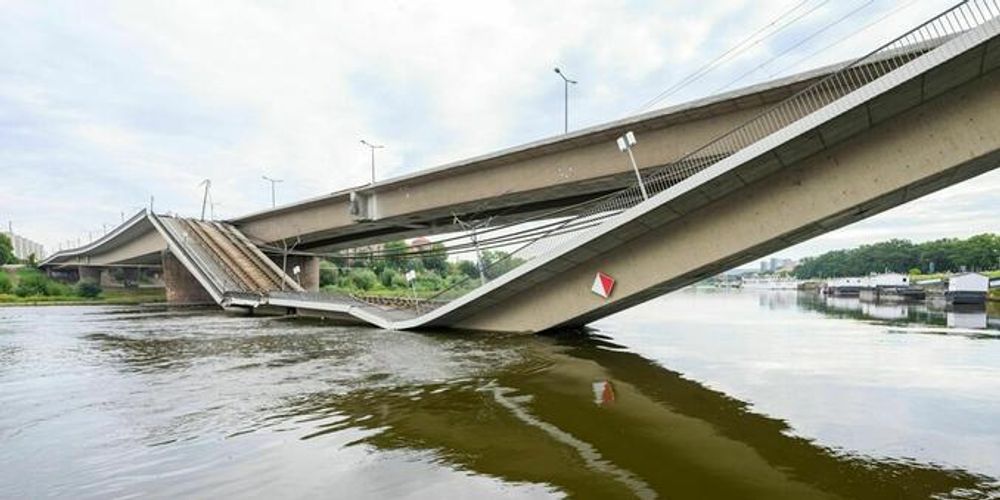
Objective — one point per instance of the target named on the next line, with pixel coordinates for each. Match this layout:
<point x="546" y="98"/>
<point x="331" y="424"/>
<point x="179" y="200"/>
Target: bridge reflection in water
<point x="663" y="434"/>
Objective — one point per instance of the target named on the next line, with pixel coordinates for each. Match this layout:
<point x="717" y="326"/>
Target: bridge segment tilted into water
<point x="886" y="129"/>
<point x="236" y="274"/>
<point x="914" y="116"/>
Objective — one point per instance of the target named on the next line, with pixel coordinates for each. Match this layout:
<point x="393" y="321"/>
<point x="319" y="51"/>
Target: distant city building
<point x="24" y="248"/>
<point x="774" y="265"/>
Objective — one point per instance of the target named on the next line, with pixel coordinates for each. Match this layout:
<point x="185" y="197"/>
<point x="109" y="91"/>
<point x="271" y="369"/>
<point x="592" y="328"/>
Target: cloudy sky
<point x="104" y="104"/>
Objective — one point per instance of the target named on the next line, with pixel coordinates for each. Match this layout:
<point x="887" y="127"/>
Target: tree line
<point x="977" y="253"/>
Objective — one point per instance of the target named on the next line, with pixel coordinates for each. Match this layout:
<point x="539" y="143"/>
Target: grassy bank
<point x="110" y="297"/>
<point x="921" y="277"/>
<point x="29" y="286"/>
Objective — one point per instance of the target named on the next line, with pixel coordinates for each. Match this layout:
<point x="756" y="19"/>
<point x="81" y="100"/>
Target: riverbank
<point x="108" y="297"/>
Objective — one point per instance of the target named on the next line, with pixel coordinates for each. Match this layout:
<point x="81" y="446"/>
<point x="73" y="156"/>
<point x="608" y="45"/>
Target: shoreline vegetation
<point x="383" y="272"/>
<point x="927" y="260"/>
<point x="422" y="270"/>
<point x="29" y="286"/>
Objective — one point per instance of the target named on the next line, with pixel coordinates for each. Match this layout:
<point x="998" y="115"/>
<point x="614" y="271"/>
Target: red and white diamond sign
<point x="603" y="284"/>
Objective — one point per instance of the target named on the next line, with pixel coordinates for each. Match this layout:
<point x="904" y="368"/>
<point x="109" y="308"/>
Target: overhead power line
<point x="842" y="39"/>
<point x="795" y="45"/>
<point x="733" y="51"/>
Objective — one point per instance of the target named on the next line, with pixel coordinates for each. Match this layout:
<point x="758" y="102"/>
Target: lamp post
<point x="204" y="199"/>
<point x="373" y="147"/>
<point x="566" y="83"/>
<point x="273" y="182"/>
<point x="625" y="144"/>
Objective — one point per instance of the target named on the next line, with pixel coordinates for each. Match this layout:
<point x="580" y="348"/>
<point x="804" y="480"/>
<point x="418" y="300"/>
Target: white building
<point x="968" y="288"/>
<point x="968" y="282"/>
<point x="888" y="280"/>
<point x="24" y="248"/>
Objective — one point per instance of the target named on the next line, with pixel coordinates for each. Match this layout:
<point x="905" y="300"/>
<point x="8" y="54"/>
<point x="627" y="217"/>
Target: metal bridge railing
<point x="850" y="77"/>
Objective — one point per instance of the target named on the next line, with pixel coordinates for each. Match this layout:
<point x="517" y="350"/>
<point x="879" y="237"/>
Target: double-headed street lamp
<point x="273" y="182"/>
<point x="373" y="147"/>
<point x="566" y="83"/>
<point x="625" y="144"/>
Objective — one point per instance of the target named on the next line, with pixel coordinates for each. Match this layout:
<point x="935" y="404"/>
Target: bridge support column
<point x="69" y="274"/>
<point x="131" y="277"/>
<point x="181" y="286"/>
<point x="90" y="273"/>
<point x="308" y="269"/>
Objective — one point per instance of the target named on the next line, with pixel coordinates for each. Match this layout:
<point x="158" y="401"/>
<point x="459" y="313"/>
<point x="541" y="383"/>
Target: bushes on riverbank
<point x="433" y="272"/>
<point x="29" y="284"/>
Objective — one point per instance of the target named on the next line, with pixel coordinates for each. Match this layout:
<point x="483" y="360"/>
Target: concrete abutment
<point x="181" y="286"/>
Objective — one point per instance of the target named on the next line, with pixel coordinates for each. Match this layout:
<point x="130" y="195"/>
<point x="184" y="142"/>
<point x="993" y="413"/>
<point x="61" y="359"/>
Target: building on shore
<point x="968" y="288"/>
<point x="25" y="248"/>
<point x="776" y="265"/>
<point x="770" y="283"/>
<point x="892" y="287"/>
<point x="844" y="287"/>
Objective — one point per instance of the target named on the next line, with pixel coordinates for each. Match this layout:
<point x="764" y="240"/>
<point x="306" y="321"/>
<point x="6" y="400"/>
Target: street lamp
<point x="204" y="199"/>
<point x="373" y="147"/>
<point x="625" y="144"/>
<point x="566" y="82"/>
<point x="273" y="182"/>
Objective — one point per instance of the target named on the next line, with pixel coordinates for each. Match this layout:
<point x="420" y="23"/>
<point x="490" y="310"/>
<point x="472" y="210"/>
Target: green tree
<point x="5" y="283"/>
<point x="436" y="259"/>
<point x="327" y="273"/>
<point x="468" y="268"/>
<point x="31" y="284"/>
<point x="498" y="263"/>
<point x="6" y="251"/>
<point x="396" y="254"/>
<point x="389" y="277"/>
<point x="363" y="279"/>
<point x="428" y="281"/>
<point x="980" y="252"/>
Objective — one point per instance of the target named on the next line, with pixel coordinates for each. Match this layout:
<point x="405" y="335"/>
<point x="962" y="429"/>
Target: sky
<point x="104" y="105"/>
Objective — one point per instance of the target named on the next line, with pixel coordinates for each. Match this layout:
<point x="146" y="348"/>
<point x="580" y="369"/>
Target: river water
<point x="694" y="395"/>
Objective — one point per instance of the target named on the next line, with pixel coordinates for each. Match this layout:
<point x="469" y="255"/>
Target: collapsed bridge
<point x="729" y="179"/>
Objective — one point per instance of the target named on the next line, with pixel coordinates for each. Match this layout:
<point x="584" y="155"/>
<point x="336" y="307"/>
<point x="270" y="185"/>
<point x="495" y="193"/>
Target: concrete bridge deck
<point x="525" y="181"/>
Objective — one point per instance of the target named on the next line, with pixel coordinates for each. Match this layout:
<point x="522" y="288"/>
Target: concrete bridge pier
<point x="181" y="286"/>
<point x="130" y="277"/>
<point x="91" y="273"/>
<point x="69" y="274"/>
<point x="308" y="269"/>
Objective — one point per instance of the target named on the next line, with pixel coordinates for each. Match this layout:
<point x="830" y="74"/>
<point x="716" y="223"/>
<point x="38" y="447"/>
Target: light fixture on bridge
<point x="625" y="144"/>
<point x="566" y="84"/>
<point x="273" y="182"/>
<point x="204" y="199"/>
<point x="373" y="147"/>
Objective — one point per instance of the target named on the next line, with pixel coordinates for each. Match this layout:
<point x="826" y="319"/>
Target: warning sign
<point x="603" y="284"/>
